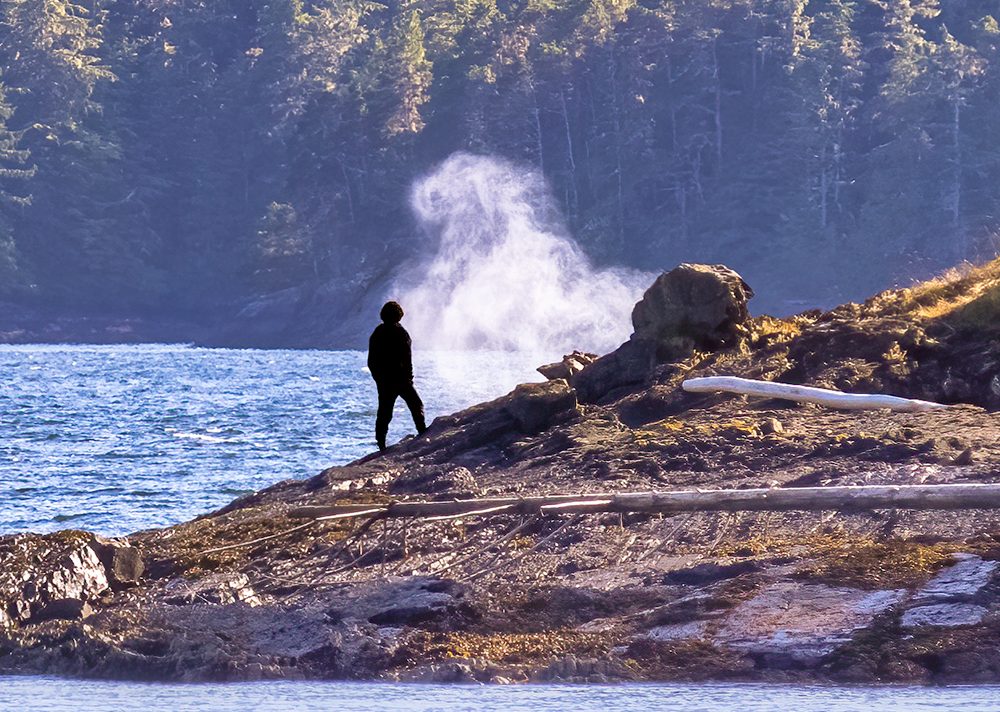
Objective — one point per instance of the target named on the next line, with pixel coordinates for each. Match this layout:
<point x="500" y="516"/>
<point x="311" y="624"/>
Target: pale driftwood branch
<point x="256" y="541"/>
<point x="805" y="394"/>
<point x="508" y="562"/>
<point x="473" y="513"/>
<point x="352" y="513"/>
<point x="498" y="544"/>
<point x="858" y="498"/>
<point x="575" y="505"/>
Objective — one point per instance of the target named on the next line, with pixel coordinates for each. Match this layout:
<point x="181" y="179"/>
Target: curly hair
<point x="391" y="313"/>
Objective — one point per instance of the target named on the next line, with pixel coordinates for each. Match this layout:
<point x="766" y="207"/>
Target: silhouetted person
<point x="391" y="364"/>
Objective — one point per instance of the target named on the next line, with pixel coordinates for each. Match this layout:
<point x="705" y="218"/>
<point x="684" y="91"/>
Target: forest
<point x="191" y="155"/>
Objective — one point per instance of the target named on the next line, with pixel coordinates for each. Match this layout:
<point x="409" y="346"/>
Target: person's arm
<point x="372" y="360"/>
<point x="407" y="355"/>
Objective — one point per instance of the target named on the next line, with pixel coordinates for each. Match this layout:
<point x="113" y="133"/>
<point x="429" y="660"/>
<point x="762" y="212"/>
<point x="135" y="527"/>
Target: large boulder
<point x="692" y="307"/>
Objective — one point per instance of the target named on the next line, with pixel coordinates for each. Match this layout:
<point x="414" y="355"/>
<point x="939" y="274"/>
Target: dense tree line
<point x="192" y="152"/>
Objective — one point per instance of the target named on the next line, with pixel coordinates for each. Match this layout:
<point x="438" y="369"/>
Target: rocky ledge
<point x="248" y="593"/>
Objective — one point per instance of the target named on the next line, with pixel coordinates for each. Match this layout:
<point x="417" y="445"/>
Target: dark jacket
<point x="389" y="357"/>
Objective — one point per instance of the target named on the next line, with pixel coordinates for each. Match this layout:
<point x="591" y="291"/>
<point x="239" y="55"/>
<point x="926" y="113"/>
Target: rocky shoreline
<point x="249" y="593"/>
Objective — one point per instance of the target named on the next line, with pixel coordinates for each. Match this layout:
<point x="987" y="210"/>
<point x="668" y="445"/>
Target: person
<point x="391" y="364"/>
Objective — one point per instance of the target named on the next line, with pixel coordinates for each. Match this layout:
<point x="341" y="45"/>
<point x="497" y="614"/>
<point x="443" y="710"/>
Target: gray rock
<point x="122" y="562"/>
<point x="570" y="365"/>
<point x="217" y="589"/>
<point x="960" y="582"/>
<point x="43" y="577"/>
<point x="405" y="601"/>
<point x="454" y="481"/>
<point x="460" y="670"/>
<point x="800" y="623"/>
<point x="772" y="426"/>
<point x="694" y="630"/>
<point x="692" y="306"/>
<point x="953" y="597"/>
<point x="536" y="406"/>
<point x="79" y="575"/>
<point x="709" y="572"/>
<point x="628" y="366"/>
<point x="63" y="609"/>
<point x="946" y="615"/>
<point x="528" y="409"/>
<point x="418" y="607"/>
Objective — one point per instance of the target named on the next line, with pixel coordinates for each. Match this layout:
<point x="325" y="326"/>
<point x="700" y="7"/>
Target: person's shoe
<point x="381" y="445"/>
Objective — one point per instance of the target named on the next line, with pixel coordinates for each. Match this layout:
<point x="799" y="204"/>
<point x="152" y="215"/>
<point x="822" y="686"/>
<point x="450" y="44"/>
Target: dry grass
<point x="844" y="560"/>
<point x="964" y="296"/>
<point x="511" y="647"/>
<point x="726" y="428"/>
<point x="769" y="330"/>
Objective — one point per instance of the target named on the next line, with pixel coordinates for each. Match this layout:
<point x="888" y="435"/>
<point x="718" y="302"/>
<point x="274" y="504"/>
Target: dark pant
<point x="388" y="392"/>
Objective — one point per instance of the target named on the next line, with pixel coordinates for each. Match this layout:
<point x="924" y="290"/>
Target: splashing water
<point x="505" y="274"/>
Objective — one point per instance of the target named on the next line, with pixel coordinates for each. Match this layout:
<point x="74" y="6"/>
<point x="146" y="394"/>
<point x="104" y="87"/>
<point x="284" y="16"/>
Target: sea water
<point x="116" y="439"/>
<point x="57" y="695"/>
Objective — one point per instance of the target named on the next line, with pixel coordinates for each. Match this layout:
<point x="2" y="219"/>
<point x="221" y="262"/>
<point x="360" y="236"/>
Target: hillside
<point x="248" y="593"/>
<point x="171" y="161"/>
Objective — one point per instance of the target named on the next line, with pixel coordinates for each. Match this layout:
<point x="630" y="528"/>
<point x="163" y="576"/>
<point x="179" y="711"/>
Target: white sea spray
<point x="502" y="272"/>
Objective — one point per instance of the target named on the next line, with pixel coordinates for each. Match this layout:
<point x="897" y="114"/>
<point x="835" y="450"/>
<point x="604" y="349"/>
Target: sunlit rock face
<point x="502" y="272"/>
<point x="691" y="307"/>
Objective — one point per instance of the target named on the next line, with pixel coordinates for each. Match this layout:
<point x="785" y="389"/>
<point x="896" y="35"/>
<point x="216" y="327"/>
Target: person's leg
<point x="416" y="406"/>
<point x="386" y="400"/>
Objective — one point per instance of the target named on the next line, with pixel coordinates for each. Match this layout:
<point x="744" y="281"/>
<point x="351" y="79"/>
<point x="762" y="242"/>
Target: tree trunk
<point x="571" y="208"/>
<point x="718" y="101"/>
<point x="805" y="394"/>
<point x="957" y="170"/>
<point x="848" y="498"/>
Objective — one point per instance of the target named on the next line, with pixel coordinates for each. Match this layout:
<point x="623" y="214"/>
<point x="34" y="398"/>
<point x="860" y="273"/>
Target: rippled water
<point x="121" y="438"/>
<point x="53" y="695"/>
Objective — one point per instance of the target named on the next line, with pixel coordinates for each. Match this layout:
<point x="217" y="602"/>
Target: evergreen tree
<point x="15" y="172"/>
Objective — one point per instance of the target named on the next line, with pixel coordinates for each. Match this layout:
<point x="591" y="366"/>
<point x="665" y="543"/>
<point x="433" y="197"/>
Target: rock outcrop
<point x="691" y="307"/>
<point x="570" y="365"/>
<point x="60" y="576"/>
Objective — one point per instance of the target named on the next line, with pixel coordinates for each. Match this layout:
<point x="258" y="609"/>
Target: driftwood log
<point x="849" y="498"/>
<point x="805" y="394"/>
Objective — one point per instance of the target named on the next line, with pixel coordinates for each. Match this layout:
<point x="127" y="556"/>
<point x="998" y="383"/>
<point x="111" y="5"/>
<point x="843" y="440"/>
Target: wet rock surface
<point x="249" y="593"/>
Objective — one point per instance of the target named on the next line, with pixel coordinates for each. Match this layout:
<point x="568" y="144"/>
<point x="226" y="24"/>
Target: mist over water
<point x="503" y="272"/>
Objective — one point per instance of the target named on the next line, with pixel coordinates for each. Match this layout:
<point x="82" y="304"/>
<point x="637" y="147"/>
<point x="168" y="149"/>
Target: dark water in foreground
<point x="69" y="696"/>
<point x="121" y="438"/>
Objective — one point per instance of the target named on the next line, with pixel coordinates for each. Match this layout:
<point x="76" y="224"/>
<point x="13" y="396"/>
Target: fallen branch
<point x="498" y="544"/>
<point x="256" y="541"/>
<point x="805" y="394"/>
<point x="857" y="498"/>
<point x="489" y="568"/>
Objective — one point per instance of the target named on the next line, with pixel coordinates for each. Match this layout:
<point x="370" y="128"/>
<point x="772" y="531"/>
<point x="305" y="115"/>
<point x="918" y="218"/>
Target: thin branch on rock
<point x="257" y="541"/>
<point x="498" y="543"/>
<point x="508" y="562"/>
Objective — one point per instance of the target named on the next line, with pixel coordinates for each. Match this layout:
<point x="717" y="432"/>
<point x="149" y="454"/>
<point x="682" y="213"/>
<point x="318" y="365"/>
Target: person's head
<point x="391" y="313"/>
